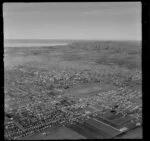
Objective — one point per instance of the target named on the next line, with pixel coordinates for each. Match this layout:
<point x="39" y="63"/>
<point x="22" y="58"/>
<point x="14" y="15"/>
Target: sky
<point x="89" y="20"/>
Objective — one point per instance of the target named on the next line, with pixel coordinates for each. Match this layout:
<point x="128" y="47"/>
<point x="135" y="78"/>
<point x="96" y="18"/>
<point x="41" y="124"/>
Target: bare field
<point x="89" y="89"/>
<point x="58" y="133"/>
<point x="82" y="54"/>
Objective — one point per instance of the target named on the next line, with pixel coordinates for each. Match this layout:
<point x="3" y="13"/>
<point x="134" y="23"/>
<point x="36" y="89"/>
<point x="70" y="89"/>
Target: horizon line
<point x="82" y="39"/>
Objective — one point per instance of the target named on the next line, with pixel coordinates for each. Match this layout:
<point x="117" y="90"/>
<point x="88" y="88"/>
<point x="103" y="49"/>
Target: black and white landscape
<point x="72" y="70"/>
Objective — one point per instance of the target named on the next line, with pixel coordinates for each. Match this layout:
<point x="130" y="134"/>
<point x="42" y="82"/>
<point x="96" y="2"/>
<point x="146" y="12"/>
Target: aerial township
<point x="48" y="106"/>
<point x="87" y="88"/>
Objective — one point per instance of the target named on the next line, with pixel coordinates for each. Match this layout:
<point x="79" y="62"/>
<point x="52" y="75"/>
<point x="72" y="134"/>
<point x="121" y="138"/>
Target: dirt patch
<point x="119" y="62"/>
<point x="89" y="89"/>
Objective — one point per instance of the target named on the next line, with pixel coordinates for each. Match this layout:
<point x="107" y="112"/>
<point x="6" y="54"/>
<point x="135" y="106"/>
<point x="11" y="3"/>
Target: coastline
<point x="33" y="45"/>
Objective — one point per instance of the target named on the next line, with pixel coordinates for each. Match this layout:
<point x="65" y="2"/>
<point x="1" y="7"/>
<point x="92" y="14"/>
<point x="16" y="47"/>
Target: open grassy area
<point x="101" y="53"/>
<point x="106" y="58"/>
<point x="56" y="133"/>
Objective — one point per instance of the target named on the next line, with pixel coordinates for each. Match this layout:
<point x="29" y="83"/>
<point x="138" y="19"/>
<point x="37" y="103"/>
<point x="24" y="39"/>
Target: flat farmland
<point x="104" y="127"/>
<point x="122" y="120"/>
<point x="111" y="123"/>
<point x="136" y="133"/>
<point x="82" y="56"/>
<point x="85" y="132"/>
<point x="56" y="133"/>
<point x="98" y="133"/>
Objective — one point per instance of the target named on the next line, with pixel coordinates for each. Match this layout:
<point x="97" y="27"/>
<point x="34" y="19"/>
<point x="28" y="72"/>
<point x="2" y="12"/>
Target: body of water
<point x="34" y="43"/>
